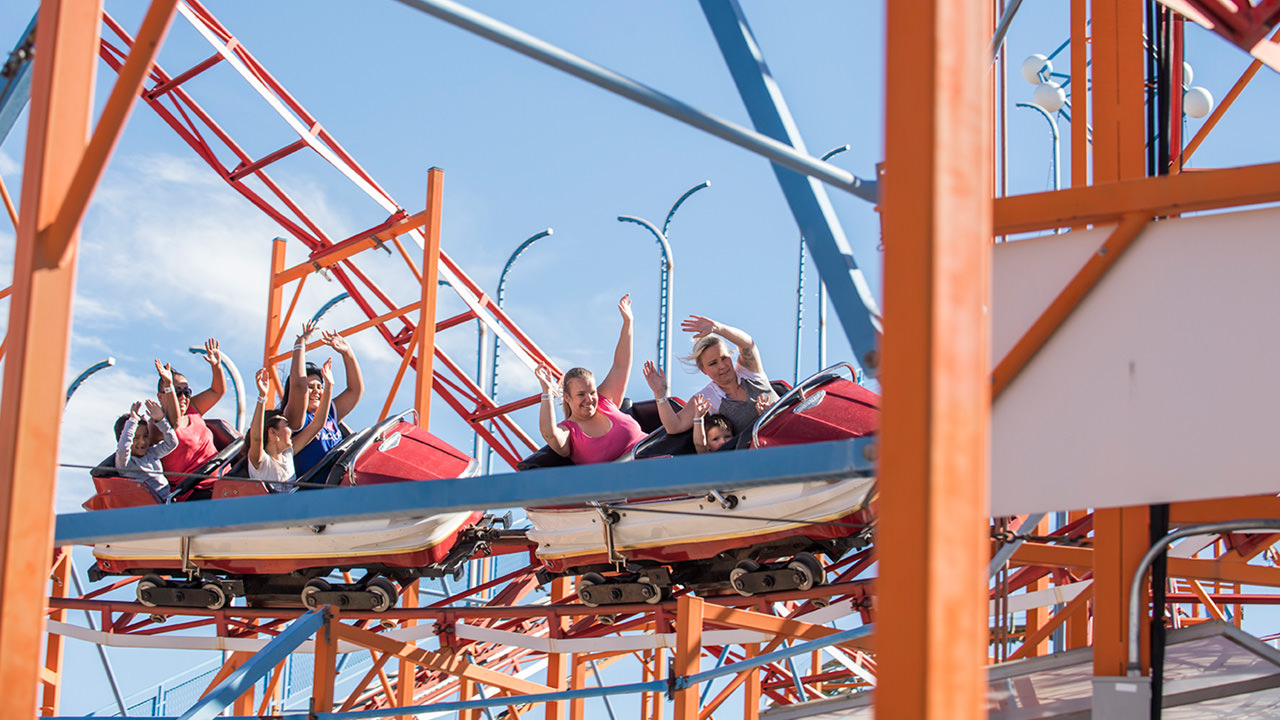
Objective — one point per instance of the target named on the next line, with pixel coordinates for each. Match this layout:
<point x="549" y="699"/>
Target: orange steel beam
<point x="773" y="625"/>
<point x="1118" y="86"/>
<point x="1085" y="280"/>
<point x="1108" y="202"/>
<point x="360" y="327"/>
<point x="1030" y="645"/>
<point x="1207" y="511"/>
<point x="577" y="681"/>
<point x="688" y="654"/>
<point x="931" y="633"/>
<point x="8" y="204"/>
<point x="430" y="290"/>
<point x="129" y="84"/>
<point x="275" y="296"/>
<point x="60" y="575"/>
<point x="406" y="683"/>
<point x="335" y="254"/>
<point x="39" y="324"/>
<point x="446" y="661"/>
<point x="326" y="666"/>
<point x="1221" y="109"/>
<point x="1236" y="571"/>
<point x="751" y="686"/>
<point x="1080" y="94"/>
<point x="1037" y="618"/>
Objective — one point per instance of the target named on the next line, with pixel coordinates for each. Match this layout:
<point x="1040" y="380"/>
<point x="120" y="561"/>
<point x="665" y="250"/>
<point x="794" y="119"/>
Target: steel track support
<point x="430" y="291"/>
<point x="932" y="632"/>
<point x="38" y="333"/>
<point x="51" y="678"/>
<point x="688" y="654"/>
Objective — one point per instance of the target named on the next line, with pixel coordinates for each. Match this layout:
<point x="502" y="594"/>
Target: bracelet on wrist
<point x="262" y="399"/>
<point x="697" y="421"/>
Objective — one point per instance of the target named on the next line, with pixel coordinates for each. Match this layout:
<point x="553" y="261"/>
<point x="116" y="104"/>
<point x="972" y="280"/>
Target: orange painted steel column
<point x="751" y="687"/>
<point x="1080" y="93"/>
<point x="557" y="662"/>
<point x="577" y="681"/>
<point x="688" y="654"/>
<point x="326" y="666"/>
<point x="430" y="289"/>
<point x="60" y="579"/>
<point x="275" y="299"/>
<point x="936" y="209"/>
<point x="1120" y="535"/>
<point x="406" y="681"/>
<point x="39" y="324"/>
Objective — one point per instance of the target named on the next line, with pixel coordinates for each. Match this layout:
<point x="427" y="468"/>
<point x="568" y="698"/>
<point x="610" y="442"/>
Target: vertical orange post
<point x="1120" y="534"/>
<point x="406" y="681"/>
<point x="275" y="299"/>
<point x="688" y="654"/>
<point x="557" y="665"/>
<point x="577" y="681"/>
<point x="751" y="687"/>
<point x="1079" y="93"/>
<point x="325" y="664"/>
<point x="60" y="579"/>
<point x="1037" y="617"/>
<point x="931" y="634"/>
<point x="430" y="289"/>
<point x="39" y="323"/>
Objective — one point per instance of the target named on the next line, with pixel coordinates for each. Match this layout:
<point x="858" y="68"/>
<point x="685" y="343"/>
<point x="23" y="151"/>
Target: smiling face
<point x="141" y="440"/>
<point x="277" y="428"/>
<point x="581" y="397"/>
<point x="315" y="391"/>
<point x="182" y="389"/>
<point x="716" y="363"/>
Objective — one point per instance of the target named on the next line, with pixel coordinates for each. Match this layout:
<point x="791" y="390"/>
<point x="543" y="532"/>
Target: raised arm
<point x="308" y="433"/>
<point x="124" y="446"/>
<point x="557" y="437"/>
<point x="701" y="407"/>
<point x="346" y="400"/>
<point x="672" y="421"/>
<point x="255" y="426"/>
<point x="208" y="398"/>
<point x="167" y="397"/>
<point x="614" y="385"/>
<point x="748" y="354"/>
<point x="168" y="438"/>
<point x="296" y="408"/>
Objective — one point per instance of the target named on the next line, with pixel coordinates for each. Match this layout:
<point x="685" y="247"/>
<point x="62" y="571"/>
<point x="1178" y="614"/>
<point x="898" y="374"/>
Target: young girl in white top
<point x="272" y="443"/>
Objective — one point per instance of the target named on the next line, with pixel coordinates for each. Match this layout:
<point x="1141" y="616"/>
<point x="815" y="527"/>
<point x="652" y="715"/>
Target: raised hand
<point x="166" y="373"/>
<point x="762" y="404"/>
<point x="263" y="378"/>
<point x="308" y="328"/>
<point x="656" y="378"/>
<point x="326" y="372"/>
<point x="701" y="405"/>
<point x="699" y="326"/>
<point x="549" y="385"/>
<point x="624" y="307"/>
<point x="334" y="339"/>
<point x="212" y="354"/>
<point x="154" y="410"/>
<point x="136" y="410"/>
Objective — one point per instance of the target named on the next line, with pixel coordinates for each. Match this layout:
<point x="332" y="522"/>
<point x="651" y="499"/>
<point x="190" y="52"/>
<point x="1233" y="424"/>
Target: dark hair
<point x="311" y="369"/>
<point x="717" y="421"/>
<point x="173" y="375"/>
<point x="120" y="421"/>
<point x="269" y="419"/>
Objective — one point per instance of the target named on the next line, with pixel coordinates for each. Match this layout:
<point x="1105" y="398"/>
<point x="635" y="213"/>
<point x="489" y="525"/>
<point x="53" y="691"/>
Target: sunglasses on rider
<point x="182" y="392"/>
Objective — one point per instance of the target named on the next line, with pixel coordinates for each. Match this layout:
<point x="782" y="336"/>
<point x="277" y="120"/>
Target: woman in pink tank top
<point x="594" y="429"/>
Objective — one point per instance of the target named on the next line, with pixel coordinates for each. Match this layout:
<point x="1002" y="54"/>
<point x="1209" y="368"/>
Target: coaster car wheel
<point x="147" y="583"/>
<point x="385" y="593"/>
<point x="310" y="590"/>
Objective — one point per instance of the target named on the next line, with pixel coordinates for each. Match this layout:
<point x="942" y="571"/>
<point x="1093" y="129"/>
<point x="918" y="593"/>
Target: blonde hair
<point x="578" y="373"/>
<point x="702" y="346"/>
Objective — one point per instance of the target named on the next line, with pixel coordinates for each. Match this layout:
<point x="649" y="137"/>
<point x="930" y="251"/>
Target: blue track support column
<point x="15" y="80"/>
<point x="221" y="697"/>
<point x="857" y="308"/>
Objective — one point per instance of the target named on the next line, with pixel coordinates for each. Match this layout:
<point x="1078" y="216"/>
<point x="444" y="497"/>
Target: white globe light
<point x="1187" y="74"/>
<point x="1049" y="96"/>
<point x="1032" y="66"/>
<point x="1197" y="102"/>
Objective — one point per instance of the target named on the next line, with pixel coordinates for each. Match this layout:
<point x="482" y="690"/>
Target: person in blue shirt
<point x="304" y="390"/>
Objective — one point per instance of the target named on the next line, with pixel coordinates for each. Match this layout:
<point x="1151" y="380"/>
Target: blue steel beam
<point x="16" y="73"/>
<point x="852" y="298"/>
<point x="552" y="486"/>
<point x="529" y="46"/>
<point x="243" y="678"/>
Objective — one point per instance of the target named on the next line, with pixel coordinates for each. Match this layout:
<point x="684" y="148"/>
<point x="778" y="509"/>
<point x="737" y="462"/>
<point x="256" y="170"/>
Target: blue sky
<point x="170" y="255"/>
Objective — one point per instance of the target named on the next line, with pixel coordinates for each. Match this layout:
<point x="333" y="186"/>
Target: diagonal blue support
<point x="221" y="697"/>
<point x="16" y="88"/>
<point x="855" y="305"/>
<point x="552" y="486"/>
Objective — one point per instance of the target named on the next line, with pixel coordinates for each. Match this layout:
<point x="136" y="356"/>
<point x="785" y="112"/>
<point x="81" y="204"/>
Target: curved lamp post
<point x="75" y="384"/>
<point x="502" y="289"/>
<point x="822" y="298"/>
<point x="664" y="295"/>
<point x="326" y="307"/>
<point x="237" y="385"/>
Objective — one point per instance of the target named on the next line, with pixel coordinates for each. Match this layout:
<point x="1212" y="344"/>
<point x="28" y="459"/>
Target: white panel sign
<point x="1163" y="385"/>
